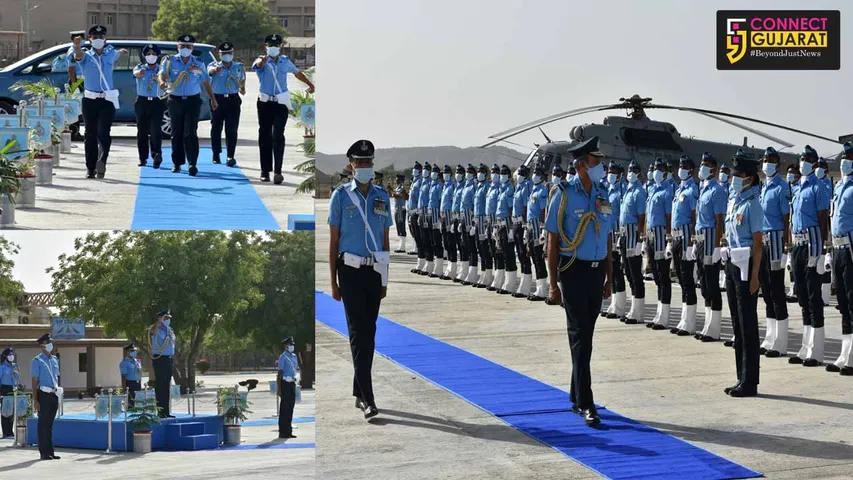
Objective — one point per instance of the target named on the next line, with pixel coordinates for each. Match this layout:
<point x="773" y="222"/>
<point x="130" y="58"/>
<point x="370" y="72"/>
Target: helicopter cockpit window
<point x="653" y="139"/>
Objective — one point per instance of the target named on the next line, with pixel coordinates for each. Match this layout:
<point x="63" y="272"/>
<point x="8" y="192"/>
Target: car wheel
<point x="166" y="125"/>
<point x="7" y="108"/>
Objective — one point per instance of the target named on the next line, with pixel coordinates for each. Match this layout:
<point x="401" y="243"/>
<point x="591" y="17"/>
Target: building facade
<point x="296" y="16"/>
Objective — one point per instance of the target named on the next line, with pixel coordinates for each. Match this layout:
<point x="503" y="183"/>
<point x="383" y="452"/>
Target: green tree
<point x="10" y="289"/>
<point x="121" y="279"/>
<point x="245" y="23"/>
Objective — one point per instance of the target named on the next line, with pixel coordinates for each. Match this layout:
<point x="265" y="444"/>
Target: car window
<point x="56" y="63"/>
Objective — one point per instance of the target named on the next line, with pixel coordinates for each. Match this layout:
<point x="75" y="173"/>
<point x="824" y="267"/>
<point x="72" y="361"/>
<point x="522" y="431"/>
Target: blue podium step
<point x="206" y="441"/>
<point x="185" y="429"/>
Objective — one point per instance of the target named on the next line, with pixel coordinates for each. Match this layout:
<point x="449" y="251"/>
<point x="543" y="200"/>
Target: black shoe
<point x="708" y="338"/>
<point x="518" y="295"/>
<point x="359" y="404"/>
<point x="698" y="336"/>
<point x="193" y="170"/>
<point x="576" y="409"/>
<point x="432" y="275"/>
<point x="291" y="436"/>
<point x="846" y="372"/>
<point x="762" y="351"/>
<point x="603" y="314"/>
<point x="631" y="321"/>
<point x="216" y="159"/>
<point x="649" y="325"/>
<point x="673" y="330"/>
<point x="90" y="174"/>
<point x="744" y="391"/>
<point x="534" y="298"/>
<point x="170" y="416"/>
<point x="773" y="354"/>
<point x="231" y="162"/>
<point x="548" y="301"/>
<point x="265" y="178"/>
<point x="503" y="292"/>
<point x="371" y="411"/>
<point x="830" y="367"/>
<point x="491" y="289"/>
<point x="658" y="327"/>
<point x="612" y="316"/>
<point x="142" y="163"/>
<point x="55" y="457"/>
<point x="728" y="343"/>
<point x="158" y="159"/>
<point x="795" y="360"/>
<point x="176" y="169"/>
<point x="278" y="179"/>
<point x="683" y="333"/>
<point x="456" y="280"/>
<point x="101" y="168"/>
<point x="590" y="416"/>
<point x="46" y="457"/>
<point x="811" y="362"/>
<point x="728" y="390"/>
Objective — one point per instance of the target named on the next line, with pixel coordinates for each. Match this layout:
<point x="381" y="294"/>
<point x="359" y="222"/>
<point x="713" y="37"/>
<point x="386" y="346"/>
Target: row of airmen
<point x="457" y="219"/>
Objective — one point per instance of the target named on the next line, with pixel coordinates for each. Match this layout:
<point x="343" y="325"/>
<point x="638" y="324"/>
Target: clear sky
<point x="40" y="250"/>
<point x="450" y="72"/>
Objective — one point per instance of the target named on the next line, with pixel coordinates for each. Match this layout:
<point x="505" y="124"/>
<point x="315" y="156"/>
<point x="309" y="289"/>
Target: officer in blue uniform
<point x="820" y="172"/>
<point x="10" y="377"/>
<point x="519" y="220"/>
<point x="448" y="191"/>
<point x="358" y="263"/>
<point x="658" y="239"/>
<point x="810" y="226"/>
<point x="401" y="196"/>
<point x="378" y="180"/>
<point x="100" y="99"/>
<point x="484" y="225"/>
<point x="684" y="205"/>
<point x="632" y="224"/>
<point x="492" y="198"/>
<point x="744" y="220"/>
<point x="44" y="370"/>
<point x="558" y="175"/>
<point x="426" y="220"/>
<point x="274" y="105"/>
<point x="286" y="381"/>
<point x="842" y="260"/>
<point x="149" y="107"/>
<point x="468" y="225"/>
<point x="162" y="352"/>
<point x="615" y="191"/>
<point x="228" y="81"/>
<point x="793" y="178"/>
<point x="776" y="204"/>
<point x="434" y="206"/>
<point x="648" y="254"/>
<point x="710" y="218"/>
<point x="412" y="204"/>
<point x="459" y="270"/>
<point x="504" y="238"/>
<point x="579" y="255"/>
<point x="183" y="76"/>
<point x="534" y="234"/>
<point x="131" y="373"/>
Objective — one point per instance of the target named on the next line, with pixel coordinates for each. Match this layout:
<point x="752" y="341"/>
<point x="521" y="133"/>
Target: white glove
<point x="288" y="379"/>
<point x="828" y="264"/>
<point x="724" y="254"/>
<point x="821" y="265"/>
<point x="668" y="252"/>
<point x="716" y="256"/>
<point x="690" y="254"/>
<point x="472" y="231"/>
<point x="542" y="238"/>
<point x="787" y="262"/>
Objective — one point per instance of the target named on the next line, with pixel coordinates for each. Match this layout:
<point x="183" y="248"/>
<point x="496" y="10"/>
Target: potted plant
<point x="141" y="418"/>
<point x="10" y="184"/>
<point x="234" y="406"/>
<point x="26" y="196"/>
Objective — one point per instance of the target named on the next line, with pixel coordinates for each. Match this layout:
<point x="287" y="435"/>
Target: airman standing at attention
<point x="448" y="191"/>
<point x="659" y="215"/>
<point x="286" y="381"/>
<point x="10" y="377"/>
<point x="724" y="182"/>
<point x="820" y="172"/>
<point x="44" y="370"/>
<point x="162" y="352"/>
<point x="615" y="191"/>
<point x="131" y="373"/>
<point x="484" y="226"/>
<point x="632" y="222"/>
<point x="710" y="226"/>
<point x="414" y="217"/>
<point x="842" y="249"/>
<point x="683" y="255"/>
<point x="519" y="221"/>
<point x="458" y="236"/>
<point x="535" y="235"/>
<point x="426" y="220"/>
<point x="274" y="105"/>
<point x="228" y="80"/>
<point x="579" y="257"/>
<point x="468" y="225"/>
<point x="504" y="237"/>
<point x="793" y="179"/>
<point x="492" y="198"/>
<point x="401" y="195"/>
<point x="149" y="107"/>
<point x="434" y="205"/>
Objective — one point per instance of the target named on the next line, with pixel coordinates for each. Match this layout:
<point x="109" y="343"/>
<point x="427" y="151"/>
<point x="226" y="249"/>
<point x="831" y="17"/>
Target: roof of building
<point x="300" y="42"/>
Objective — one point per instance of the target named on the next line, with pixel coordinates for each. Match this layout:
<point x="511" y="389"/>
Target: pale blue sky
<point x="450" y="72"/>
<point x="40" y="250"/>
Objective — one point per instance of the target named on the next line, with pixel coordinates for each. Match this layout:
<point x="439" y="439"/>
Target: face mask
<point x="737" y="184"/>
<point x="273" y="51"/>
<point x="658" y="177"/>
<point x="632" y="177"/>
<point x="185" y="52"/>
<point x="481" y="177"/>
<point x="537" y="179"/>
<point x="433" y="175"/>
<point x="805" y="168"/>
<point x="569" y="177"/>
<point x="167" y="322"/>
<point x="363" y="175"/>
<point x="704" y="172"/>
<point x="683" y="174"/>
<point x="819" y="172"/>
<point x="769" y="169"/>
<point x="469" y="176"/>
<point x="504" y="178"/>
<point x="290" y="348"/>
<point x="724" y="177"/>
<point x="495" y="177"/>
<point x="459" y="177"/>
<point x="447" y="177"/>
<point x="151" y="59"/>
<point x="416" y="173"/>
<point x="99" y="43"/>
<point x="791" y="178"/>
<point x="49" y="347"/>
<point x="611" y="177"/>
<point x="846" y="167"/>
<point x="132" y="354"/>
<point x="596" y="173"/>
<point x="521" y="178"/>
<point x="11" y="358"/>
<point x="227" y="58"/>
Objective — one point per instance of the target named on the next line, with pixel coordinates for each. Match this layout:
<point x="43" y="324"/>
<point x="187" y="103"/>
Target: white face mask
<point x="469" y="176"/>
<point x="447" y="177"/>
<point x="658" y="177"/>
<point x="481" y="177"/>
<point x="683" y="174"/>
<point x="791" y="178"/>
<point x="416" y="173"/>
<point x="99" y="43"/>
<point x="632" y="177"/>
<point x="496" y="177"/>
<point x="724" y="177"/>
<point x="273" y="51"/>
<point x="521" y="178"/>
<point x="846" y="167"/>
<point x="459" y="177"/>
<point x="151" y="59"/>
<point x="290" y="348"/>
<point x="433" y="175"/>
<point x="537" y="179"/>
<point x="820" y="173"/>
<point x="704" y="172"/>
<point x="611" y="177"/>
<point x="569" y="177"/>
<point x="363" y="175"/>
<point x="49" y="347"/>
<point x="132" y="354"/>
<point x="806" y="168"/>
<point x="769" y="169"/>
<point x="504" y="178"/>
<point x="11" y="358"/>
<point x="185" y="52"/>
<point x="227" y="58"/>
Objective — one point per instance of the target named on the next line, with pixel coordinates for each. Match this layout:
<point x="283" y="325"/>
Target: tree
<point x="121" y="279"/>
<point x="10" y="289"/>
<point x="245" y="23"/>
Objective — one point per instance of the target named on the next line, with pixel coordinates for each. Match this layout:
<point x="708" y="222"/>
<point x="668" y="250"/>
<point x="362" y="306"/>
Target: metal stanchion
<point x="189" y="409"/>
<point x="126" y="403"/>
<point x="15" y="413"/>
<point x="109" y="421"/>
<point x="193" y="395"/>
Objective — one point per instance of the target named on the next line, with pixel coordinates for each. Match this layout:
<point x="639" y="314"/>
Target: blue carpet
<point x="274" y="421"/>
<point x="300" y="222"/>
<point x="620" y="448"/>
<point x="263" y="446"/>
<point x="218" y="198"/>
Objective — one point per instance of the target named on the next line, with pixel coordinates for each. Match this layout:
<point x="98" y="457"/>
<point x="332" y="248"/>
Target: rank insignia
<point x="380" y="207"/>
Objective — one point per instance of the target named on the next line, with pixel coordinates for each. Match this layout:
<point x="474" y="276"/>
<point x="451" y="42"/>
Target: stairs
<point x="189" y="436"/>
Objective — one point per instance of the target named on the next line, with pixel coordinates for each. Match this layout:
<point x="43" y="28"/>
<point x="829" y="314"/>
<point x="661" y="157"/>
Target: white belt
<point x="500" y="222"/>
<point x="518" y="219"/>
<point x="366" y="261"/>
<point x="699" y="237"/>
<point x="800" y="238"/>
<point x="92" y="95"/>
<point x="266" y="98"/>
<point x="47" y="389"/>
<point x="840" y="242"/>
<point x="677" y="233"/>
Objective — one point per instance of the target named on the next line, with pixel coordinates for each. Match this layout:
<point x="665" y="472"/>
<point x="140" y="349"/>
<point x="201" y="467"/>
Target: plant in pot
<point x="10" y="184"/>
<point x="308" y="167"/>
<point x="234" y="406"/>
<point x="141" y="418"/>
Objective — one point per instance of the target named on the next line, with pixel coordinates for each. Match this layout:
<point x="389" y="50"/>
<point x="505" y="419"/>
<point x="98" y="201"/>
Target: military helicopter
<point x="637" y="137"/>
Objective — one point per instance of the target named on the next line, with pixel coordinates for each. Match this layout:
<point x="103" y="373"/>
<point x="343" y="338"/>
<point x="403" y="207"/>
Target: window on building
<point x="284" y="22"/>
<point x="309" y="23"/>
<point x="94" y="18"/>
<point x="82" y="362"/>
<point x="109" y="19"/>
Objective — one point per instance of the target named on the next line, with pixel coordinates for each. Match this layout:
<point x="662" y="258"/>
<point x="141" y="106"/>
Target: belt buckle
<point x="226" y="95"/>
<point x="183" y="98"/>
<point x="150" y="98"/>
<point x="593" y="264"/>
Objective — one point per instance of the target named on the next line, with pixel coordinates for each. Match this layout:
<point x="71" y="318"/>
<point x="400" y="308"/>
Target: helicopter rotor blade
<point x="552" y="118"/>
<point x="741" y="117"/>
<point x="519" y="145"/>
<point x="544" y="135"/>
<point x="748" y="129"/>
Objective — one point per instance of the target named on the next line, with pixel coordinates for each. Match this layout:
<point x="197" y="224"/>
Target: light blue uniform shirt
<point x="344" y="214"/>
<point x="744" y="219"/>
<point x="520" y="198"/>
<point x="811" y="199"/>
<point x="593" y="247"/>
<point x="459" y="187"/>
<point x="468" y="191"/>
<point x="659" y="206"/>
<point x="671" y="184"/>
<point x="9" y="374"/>
<point x="842" y="214"/>
<point x="196" y="74"/>
<point x="435" y="192"/>
<point x="148" y="85"/>
<point x="795" y="189"/>
<point x="46" y="368"/>
<point x="414" y="193"/>
<point x="633" y="204"/>
<point x="828" y="183"/>
<point x="505" y="200"/>
<point x="131" y="368"/>
<point x="227" y="81"/>
<point x="684" y="203"/>
<point x="274" y="69"/>
<point x="423" y="198"/>
<point x="481" y="192"/>
<point x="537" y="202"/>
<point x="286" y="365"/>
<point x="776" y="203"/>
<point x="447" y="194"/>
<point x="615" y="192"/>
<point x="712" y="202"/>
<point x="399" y="203"/>
<point x="492" y="198"/>
<point x="88" y="68"/>
<point x="163" y="340"/>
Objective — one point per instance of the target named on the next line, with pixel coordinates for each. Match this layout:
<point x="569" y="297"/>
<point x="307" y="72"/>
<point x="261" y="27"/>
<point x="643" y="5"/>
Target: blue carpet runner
<point x="620" y="448"/>
<point x="267" y="446"/>
<point x="218" y="198"/>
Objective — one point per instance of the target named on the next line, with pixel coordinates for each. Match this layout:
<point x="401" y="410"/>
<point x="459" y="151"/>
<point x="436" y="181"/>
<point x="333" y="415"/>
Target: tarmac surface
<point x="800" y="426"/>
<point x="75" y="202"/>
<point x="205" y="464"/>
